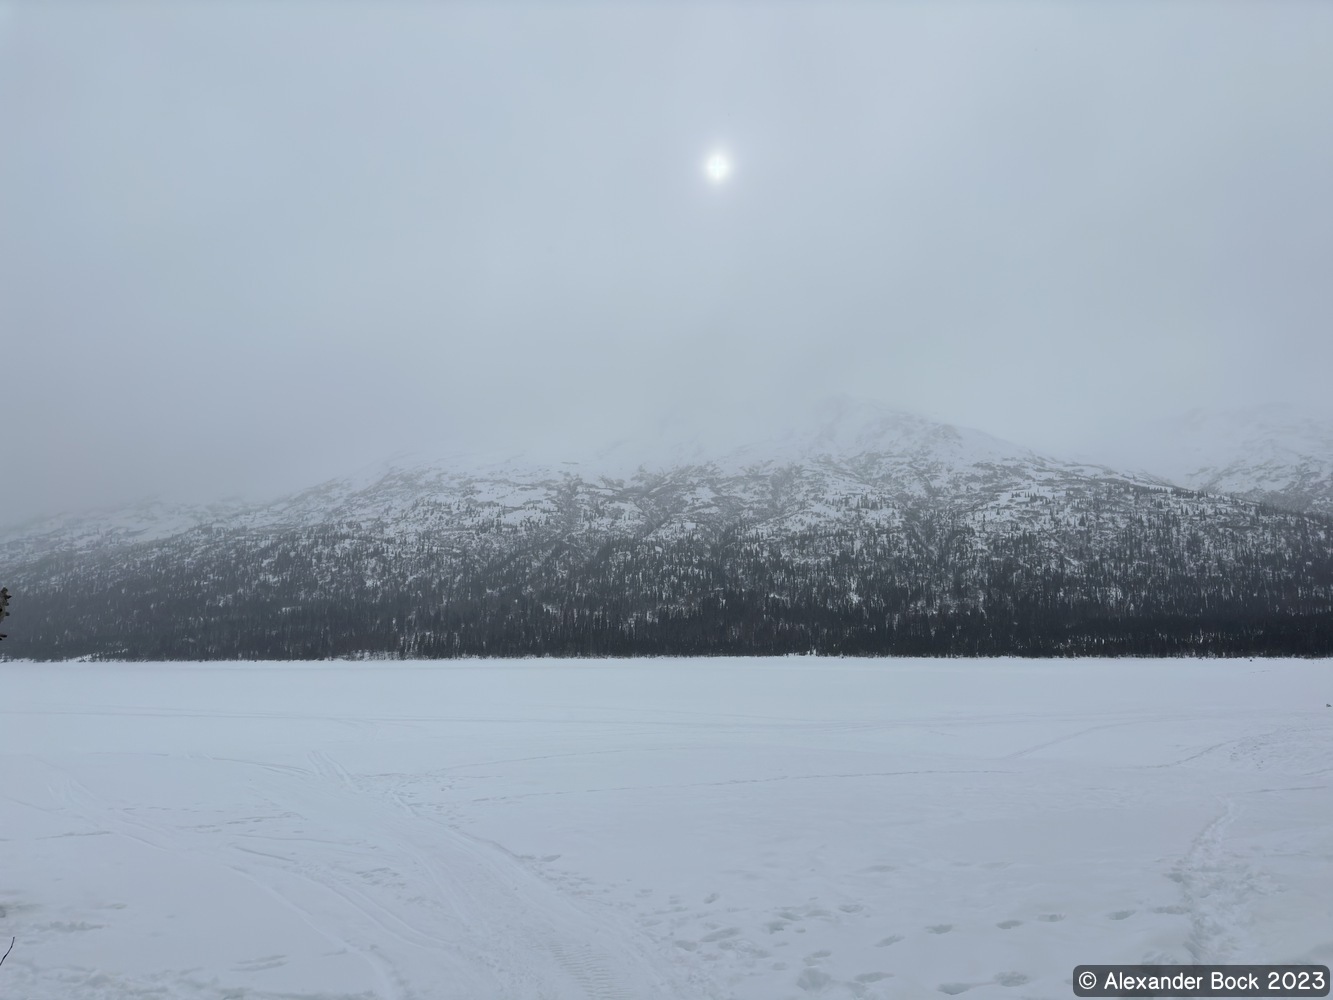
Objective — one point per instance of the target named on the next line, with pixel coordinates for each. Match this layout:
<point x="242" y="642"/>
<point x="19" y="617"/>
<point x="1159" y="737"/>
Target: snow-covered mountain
<point x="1277" y="454"/>
<point x="849" y="527"/>
<point x="835" y="446"/>
<point x="111" y="528"/>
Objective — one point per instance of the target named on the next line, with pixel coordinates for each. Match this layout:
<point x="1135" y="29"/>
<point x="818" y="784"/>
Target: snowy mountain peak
<point x="845" y="427"/>
<point x="838" y="429"/>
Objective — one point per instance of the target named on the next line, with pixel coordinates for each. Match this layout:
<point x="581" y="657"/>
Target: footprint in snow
<point x="891" y="939"/>
<point x="953" y="989"/>
<point x="1121" y="914"/>
<point x="260" y="964"/>
<point x="1005" y="925"/>
<point x="940" y="929"/>
<point x="70" y="926"/>
<point x="1012" y="979"/>
<point x="722" y="935"/>
<point x="1051" y="918"/>
<point x="813" y="980"/>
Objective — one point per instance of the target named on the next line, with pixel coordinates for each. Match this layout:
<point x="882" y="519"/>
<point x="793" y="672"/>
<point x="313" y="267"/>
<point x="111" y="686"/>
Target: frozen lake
<point x="749" y="829"/>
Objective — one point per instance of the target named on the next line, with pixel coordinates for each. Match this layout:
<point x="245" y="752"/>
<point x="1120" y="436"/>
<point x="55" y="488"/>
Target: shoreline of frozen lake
<point x="720" y="828"/>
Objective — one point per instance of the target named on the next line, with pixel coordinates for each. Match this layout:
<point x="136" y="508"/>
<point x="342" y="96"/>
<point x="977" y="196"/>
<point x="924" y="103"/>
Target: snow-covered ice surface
<point x="750" y="829"/>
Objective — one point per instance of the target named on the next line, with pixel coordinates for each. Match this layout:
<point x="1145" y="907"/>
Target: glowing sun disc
<point x="717" y="167"/>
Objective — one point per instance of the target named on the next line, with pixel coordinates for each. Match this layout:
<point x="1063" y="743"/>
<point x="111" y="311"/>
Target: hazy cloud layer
<point x="246" y="245"/>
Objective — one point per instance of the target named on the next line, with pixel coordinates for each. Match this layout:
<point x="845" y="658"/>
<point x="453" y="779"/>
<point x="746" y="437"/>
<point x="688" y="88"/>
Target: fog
<point x="245" y="246"/>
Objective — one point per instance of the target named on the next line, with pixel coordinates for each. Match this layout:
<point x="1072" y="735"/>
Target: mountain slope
<point x="860" y="531"/>
<point x="1278" y="455"/>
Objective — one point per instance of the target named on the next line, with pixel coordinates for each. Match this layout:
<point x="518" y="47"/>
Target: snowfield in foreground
<point x="749" y="829"/>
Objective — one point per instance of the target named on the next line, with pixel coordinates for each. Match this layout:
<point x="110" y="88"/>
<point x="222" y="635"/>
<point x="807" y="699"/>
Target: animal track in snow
<point x="1121" y="914"/>
<point x="1005" y="925"/>
<point x="1051" y="918"/>
<point x="940" y="929"/>
<point x="891" y="939"/>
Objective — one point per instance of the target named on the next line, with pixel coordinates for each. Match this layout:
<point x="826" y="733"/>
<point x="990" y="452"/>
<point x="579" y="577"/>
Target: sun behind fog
<point x="717" y="168"/>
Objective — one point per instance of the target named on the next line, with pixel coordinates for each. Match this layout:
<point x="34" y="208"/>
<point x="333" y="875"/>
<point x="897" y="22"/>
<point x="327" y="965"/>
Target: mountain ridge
<point x="872" y="531"/>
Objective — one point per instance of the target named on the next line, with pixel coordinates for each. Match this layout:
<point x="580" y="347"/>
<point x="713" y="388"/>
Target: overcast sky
<point x="244" y="246"/>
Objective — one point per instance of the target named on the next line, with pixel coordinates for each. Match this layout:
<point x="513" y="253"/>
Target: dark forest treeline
<point x="1124" y="571"/>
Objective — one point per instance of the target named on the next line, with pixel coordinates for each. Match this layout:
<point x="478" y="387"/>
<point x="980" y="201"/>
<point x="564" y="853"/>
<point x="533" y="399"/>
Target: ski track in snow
<point x="725" y="831"/>
<point x="491" y="904"/>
